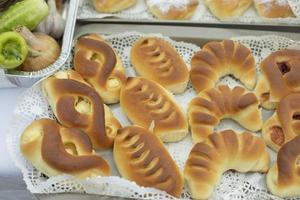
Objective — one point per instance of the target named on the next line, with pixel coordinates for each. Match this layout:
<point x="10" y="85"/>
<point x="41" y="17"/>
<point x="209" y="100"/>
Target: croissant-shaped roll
<point x="77" y="105"/>
<point x="218" y="59"/>
<point x="222" y="152"/>
<point x="55" y="150"/>
<point x="97" y="62"/>
<point x="112" y="6"/>
<point x="273" y="8"/>
<point x="156" y="59"/>
<point x="280" y="73"/>
<point x="140" y="156"/>
<point x="283" y="177"/>
<point x="147" y="103"/>
<point x="284" y="125"/>
<point x="211" y="106"/>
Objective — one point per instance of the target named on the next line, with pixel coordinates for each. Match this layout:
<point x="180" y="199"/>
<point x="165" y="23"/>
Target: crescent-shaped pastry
<point x="283" y="177"/>
<point x="111" y="6"/>
<point x="172" y="9"/>
<point x="284" y="125"/>
<point x="97" y="62"/>
<point x="280" y="76"/>
<point x="146" y="102"/>
<point x="156" y="59"/>
<point x="222" y="152"/>
<point x="55" y="150"/>
<point x="211" y="106"/>
<point x="218" y="59"/>
<point x="228" y="9"/>
<point x="77" y="105"/>
<point x="273" y="8"/>
<point x="140" y="156"/>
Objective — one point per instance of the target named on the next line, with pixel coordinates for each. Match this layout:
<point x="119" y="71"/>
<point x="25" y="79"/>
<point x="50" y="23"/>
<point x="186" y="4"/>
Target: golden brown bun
<point x="283" y="177"/>
<point x="273" y="8"/>
<point x="174" y="13"/>
<point x="97" y="62"/>
<point x="284" y="125"/>
<point x="280" y="73"/>
<point x="140" y="156"/>
<point x="222" y="152"/>
<point x="55" y="150"/>
<point x="77" y="105"/>
<point x="111" y="6"/>
<point x="211" y="106"/>
<point x="218" y="59"/>
<point x="228" y="9"/>
<point x="146" y="102"/>
<point x="156" y="59"/>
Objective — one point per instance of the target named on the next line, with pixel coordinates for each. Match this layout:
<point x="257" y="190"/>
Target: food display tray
<point x="14" y="78"/>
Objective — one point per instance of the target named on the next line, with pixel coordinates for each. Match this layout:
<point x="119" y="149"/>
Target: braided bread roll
<point x="280" y="73"/>
<point x="111" y="6"/>
<point x="97" y="62"/>
<point x="211" y="106"/>
<point x="55" y="150"/>
<point x="218" y="59"/>
<point x="145" y="102"/>
<point x="284" y="124"/>
<point x="273" y="8"/>
<point x="228" y="9"/>
<point x="283" y="177"/>
<point x="140" y="156"/>
<point x="155" y="59"/>
<point x="222" y="152"/>
<point x="77" y="105"/>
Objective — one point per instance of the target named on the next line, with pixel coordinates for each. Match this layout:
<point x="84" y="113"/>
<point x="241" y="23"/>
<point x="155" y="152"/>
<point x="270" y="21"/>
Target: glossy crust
<point x="147" y="103"/>
<point x="211" y="106"/>
<point x="140" y="156"/>
<point x="280" y="73"/>
<point x="97" y="62"/>
<point x="111" y="6"/>
<point x="284" y="125"/>
<point x="218" y="59"/>
<point x="283" y="177"/>
<point x="273" y="8"/>
<point x="156" y="59"/>
<point x="228" y="9"/>
<point x="55" y="150"/>
<point x="77" y="105"/>
<point x="175" y="13"/>
<point x="222" y="152"/>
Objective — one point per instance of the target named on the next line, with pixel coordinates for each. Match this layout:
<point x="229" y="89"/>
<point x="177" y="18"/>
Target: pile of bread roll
<point x="84" y="123"/>
<point x="185" y="9"/>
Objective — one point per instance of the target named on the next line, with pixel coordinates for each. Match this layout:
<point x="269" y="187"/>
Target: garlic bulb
<point x="54" y="24"/>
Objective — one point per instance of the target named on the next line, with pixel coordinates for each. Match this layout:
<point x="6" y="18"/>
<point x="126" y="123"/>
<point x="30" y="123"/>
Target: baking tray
<point x="196" y="35"/>
<point x="15" y="78"/>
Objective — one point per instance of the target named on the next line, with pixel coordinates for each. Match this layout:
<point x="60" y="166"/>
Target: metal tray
<point x="15" y="78"/>
<point x="196" y="35"/>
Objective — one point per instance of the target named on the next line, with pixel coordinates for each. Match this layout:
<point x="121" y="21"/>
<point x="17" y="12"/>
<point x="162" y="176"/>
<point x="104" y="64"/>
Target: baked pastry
<point x="218" y="59"/>
<point x="156" y="59"/>
<point x="222" y="152"/>
<point x="147" y="103"/>
<point x="172" y="9"/>
<point x="228" y="9"/>
<point x="77" y="105"/>
<point x="211" y="106"/>
<point x="55" y="150"/>
<point x="280" y="73"/>
<point x="284" y="125"/>
<point x="97" y="62"/>
<point x="273" y="8"/>
<point x="140" y="156"/>
<point x="283" y="177"/>
<point x="111" y="6"/>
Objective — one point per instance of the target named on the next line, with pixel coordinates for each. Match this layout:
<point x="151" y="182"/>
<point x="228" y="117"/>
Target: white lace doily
<point x="140" y="12"/>
<point x="234" y="186"/>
